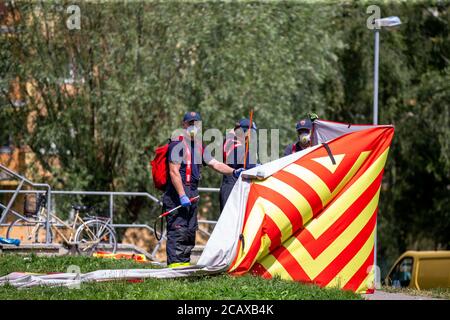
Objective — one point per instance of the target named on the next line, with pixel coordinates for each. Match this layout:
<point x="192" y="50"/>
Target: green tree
<point x="137" y="67"/>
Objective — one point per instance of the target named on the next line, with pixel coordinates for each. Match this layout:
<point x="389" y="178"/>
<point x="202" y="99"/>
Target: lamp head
<point x="388" y="22"/>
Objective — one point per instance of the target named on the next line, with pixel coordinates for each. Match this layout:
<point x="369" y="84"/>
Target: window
<point x="401" y="275"/>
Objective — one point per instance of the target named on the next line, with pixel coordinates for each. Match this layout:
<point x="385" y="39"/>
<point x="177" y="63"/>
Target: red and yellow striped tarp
<point x="128" y="256"/>
<point x="314" y="221"/>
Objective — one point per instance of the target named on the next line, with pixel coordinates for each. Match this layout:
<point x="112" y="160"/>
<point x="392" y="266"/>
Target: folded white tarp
<point x="25" y="280"/>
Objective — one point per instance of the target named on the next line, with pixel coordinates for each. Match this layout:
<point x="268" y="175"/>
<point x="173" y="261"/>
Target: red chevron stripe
<point x="332" y="180"/>
<point x="283" y="203"/>
<point x="303" y="188"/>
<point x="354" y="283"/>
<point x="252" y="197"/>
<point x="269" y="228"/>
<point x="250" y="255"/>
<point x="273" y="232"/>
<point x="339" y="147"/>
<point x="330" y="272"/>
<point x="287" y="260"/>
<point x="367" y="140"/>
<point x="316" y="246"/>
<point x="376" y="151"/>
<point x="291" y="265"/>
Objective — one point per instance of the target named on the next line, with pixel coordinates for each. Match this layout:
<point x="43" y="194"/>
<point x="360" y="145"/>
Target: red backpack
<point x="160" y="168"/>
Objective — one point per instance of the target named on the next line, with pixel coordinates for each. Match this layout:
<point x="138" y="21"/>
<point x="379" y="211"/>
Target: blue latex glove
<point x="185" y="202"/>
<point x="237" y="172"/>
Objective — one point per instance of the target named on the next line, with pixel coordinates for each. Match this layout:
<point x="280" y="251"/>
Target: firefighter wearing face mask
<point x="234" y="154"/>
<point x="304" y="130"/>
<point x="185" y="157"/>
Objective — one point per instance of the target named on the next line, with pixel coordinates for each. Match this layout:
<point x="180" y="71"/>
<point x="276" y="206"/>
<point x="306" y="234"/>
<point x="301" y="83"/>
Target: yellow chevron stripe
<point x="279" y="217"/>
<point x="368" y="283"/>
<point x="318" y="226"/>
<point x="292" y="195"/>
<point x="327" y="164"/>
<point x="254" y="222"/>
<point x="263" y="251"/>
<point x="312" y="180"/>
<point x="313" y="267"/>
<point x="358" y="163"/>
<point x="354" y="264"/>
<point x="275" y="268"/>
<point x="296" y="198"/>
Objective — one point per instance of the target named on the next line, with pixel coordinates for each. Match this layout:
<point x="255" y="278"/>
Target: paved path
<point x="383" y="295"/>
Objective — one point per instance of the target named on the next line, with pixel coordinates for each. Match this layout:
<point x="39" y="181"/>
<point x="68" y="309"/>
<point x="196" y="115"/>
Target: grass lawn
<point x="221" y="287"/>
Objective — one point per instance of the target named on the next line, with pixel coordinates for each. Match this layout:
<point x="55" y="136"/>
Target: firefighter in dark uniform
<point x="234" y="153"/>
<point x="185" y="158"/>
<point x="304" y="130"/>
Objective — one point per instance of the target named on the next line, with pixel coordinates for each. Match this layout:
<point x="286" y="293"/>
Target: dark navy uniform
<point x="233" y="155"/>
<point x="182" y="224"/>
<point x="292" y="148"/>
<point x="304" y="125"/>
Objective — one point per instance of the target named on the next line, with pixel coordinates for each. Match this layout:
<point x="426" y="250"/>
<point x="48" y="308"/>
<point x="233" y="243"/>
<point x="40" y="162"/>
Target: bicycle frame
<point x="73" y="227"/>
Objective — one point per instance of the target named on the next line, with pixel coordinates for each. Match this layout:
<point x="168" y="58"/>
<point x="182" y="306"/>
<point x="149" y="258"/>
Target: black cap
<point x="304" y="124"/>
<point x="192" y="115"/>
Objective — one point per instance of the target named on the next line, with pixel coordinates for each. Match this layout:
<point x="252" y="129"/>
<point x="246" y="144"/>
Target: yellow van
<point x="421" y="270"/>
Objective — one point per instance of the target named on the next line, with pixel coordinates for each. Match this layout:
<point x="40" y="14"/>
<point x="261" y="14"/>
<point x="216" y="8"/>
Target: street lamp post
<point x="379" y="23"/>
<point x="375" y="76"/>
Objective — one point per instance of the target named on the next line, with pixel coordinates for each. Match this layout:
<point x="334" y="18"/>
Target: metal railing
<point x="22" y="181"/>
<point x="112" y="195"/>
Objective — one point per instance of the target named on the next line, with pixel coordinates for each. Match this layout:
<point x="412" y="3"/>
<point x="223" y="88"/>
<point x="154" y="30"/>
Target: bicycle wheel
<point x="28" y="231"/>
<point x="95" y="234"/>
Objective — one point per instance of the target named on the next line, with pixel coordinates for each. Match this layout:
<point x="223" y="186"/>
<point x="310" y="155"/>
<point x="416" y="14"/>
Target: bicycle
<point x="86" y="234"/>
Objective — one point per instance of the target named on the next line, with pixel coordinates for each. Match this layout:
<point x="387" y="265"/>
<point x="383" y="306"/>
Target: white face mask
<point x="305" y="139"/>
<point x="192" y="130"/>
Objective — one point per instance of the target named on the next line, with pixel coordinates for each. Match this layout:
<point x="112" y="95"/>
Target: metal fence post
<point x="49" y="210"/>
<point x="111" y="207"/>
<point x="111" y="212"/>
